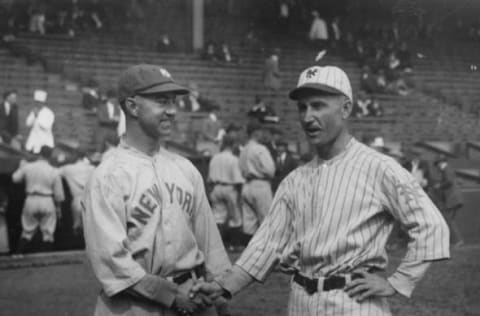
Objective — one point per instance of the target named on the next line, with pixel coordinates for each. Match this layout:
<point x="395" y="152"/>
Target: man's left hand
<point x="369" y="285"/>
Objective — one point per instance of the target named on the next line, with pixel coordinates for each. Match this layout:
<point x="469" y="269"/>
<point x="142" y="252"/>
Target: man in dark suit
<point x="9" y="116"/>
<point x="284" y="164"/>
<point x="451" y="199"/>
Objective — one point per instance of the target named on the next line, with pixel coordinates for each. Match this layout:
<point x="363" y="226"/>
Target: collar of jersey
<point x="339" y="156"/>
<point x="132" y="150"/>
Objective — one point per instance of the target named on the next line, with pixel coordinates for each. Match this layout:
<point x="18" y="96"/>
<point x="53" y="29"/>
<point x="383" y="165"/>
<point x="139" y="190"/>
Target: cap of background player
<point x="146" y="79"/>
<point x="328" y="79"/>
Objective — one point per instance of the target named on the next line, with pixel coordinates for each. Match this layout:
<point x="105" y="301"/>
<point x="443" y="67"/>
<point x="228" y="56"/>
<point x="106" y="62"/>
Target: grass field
<point x="450" y="288"/>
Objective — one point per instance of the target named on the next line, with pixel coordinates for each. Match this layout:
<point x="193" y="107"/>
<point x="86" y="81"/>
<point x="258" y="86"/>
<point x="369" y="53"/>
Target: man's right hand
<point x="184" y="305"/>
<point x="188" y="304"/>
<point x="212" y="289"/>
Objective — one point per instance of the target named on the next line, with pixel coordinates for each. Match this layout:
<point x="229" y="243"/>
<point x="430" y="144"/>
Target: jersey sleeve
<point x="19" y="174"/>
<point x="205" y="229"/>
<point x="58" y="192"/>
<point x="105" y="233"/>
<point x="410" y="205"/>
<point x="265" y="161"/>
<point x="267" y="245"/>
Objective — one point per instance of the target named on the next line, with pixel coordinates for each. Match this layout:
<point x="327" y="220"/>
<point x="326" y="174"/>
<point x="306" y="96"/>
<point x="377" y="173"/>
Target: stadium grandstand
<point x="414" y="66"/>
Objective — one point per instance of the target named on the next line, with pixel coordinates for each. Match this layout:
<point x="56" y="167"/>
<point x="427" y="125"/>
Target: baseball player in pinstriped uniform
<point x="330" y="219"/>
<point x="148" y="226"/>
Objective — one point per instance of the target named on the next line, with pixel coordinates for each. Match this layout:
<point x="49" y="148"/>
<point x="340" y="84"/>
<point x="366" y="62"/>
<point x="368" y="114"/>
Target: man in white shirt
<point x="318" y="30"/>
<point x="40" y="120"/>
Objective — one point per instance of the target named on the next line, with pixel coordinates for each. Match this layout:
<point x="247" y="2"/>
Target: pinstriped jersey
<point x="333" y="217"/>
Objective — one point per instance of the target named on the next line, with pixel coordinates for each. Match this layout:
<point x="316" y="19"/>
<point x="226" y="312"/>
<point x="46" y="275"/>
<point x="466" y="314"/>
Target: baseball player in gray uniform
<point x="149" y="230"/>
<point x="330" y="219"/>
<point x="258" y="168"/>
<point x="44" y="193"/>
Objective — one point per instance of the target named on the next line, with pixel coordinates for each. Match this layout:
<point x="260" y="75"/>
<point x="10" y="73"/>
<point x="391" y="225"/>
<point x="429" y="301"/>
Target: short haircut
<point x="253" y="126"/>
<point x="7" y="93"/>
<point x="227" y="142"/>
<point x="46" y="152"/>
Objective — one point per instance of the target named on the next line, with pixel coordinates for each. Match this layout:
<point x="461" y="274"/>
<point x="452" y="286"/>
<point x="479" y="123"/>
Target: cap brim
<point x="295" y="93"/>
<point x="169" y="87"/>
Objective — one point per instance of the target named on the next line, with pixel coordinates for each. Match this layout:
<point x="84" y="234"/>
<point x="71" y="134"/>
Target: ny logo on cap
<point x="311" y="73"/>
<point x="165" y="73"/>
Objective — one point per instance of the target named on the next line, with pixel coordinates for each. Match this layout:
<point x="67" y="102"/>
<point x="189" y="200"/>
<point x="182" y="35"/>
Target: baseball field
<point x="46" y="286"/>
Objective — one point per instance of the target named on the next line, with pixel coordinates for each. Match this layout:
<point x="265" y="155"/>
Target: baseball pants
<point x="256" y="200"/>
<point x="333" y="303"/>
<point x="225" y="206"/>
<point x="76" y="206"/>
<point x="39" y="212"/>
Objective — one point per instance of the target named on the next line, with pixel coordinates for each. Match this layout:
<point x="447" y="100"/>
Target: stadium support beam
<point x="198" y="22"/>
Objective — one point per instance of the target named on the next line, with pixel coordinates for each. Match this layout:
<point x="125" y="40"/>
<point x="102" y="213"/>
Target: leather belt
<point x="222" y="183"/>
<point x="334" y="282"/>
<point x="40" y="194"/>
<point x="198" y="271"/>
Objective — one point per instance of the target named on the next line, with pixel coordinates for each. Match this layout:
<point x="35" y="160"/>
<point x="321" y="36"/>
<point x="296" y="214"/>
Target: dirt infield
<point x="450" y="288"/>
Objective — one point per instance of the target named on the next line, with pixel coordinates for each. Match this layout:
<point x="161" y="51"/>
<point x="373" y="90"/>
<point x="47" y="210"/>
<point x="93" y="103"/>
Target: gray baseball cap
<point x="147" y="79"/>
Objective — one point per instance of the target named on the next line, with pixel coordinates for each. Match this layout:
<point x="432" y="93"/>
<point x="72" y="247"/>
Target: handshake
<point x="197" y="298"/>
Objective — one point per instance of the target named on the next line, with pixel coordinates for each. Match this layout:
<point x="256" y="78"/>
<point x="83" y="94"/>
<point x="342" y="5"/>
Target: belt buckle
<point x="311" y="286"/>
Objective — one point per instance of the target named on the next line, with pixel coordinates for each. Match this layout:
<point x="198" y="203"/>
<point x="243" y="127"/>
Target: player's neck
<point x="141" y="142"/>
<point x="338" y="145"/>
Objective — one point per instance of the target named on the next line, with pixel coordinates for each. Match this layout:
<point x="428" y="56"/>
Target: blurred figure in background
<point x="40" y="120"/>
<point x="284" y="164"/>
<point x="108" y="115"/>
<point x="9" y="116"/>
<point x="76" y="174"/>
<point x="451" y="199"/>
<point x="258" y="169"/>
<point x="44" y="193"/>
<point x="271" y="74"/>
<point x="225" y="176"/>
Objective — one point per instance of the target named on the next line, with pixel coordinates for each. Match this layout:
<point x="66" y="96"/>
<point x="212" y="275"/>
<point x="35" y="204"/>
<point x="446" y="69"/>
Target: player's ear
<point x="346" y="108"/>
<point x="131" y="106"/>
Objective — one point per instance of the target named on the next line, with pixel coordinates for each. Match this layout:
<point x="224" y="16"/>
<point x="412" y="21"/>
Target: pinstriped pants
<point x="333" y="303"/>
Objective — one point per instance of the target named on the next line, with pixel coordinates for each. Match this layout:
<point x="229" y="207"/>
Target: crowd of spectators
<point x="220" y="54"/>
<point x="61" y="17"/>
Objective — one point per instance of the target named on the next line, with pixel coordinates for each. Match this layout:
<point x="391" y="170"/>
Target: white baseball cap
<point x="329" y="79"/>
<point x="40" y="96"/>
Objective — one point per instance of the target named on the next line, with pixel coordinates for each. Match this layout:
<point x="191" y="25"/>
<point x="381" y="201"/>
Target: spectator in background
<point x="375" y="108"/>
<point x="283" y="17"/>
<point x="165" y="44"/>
<point x="44" y="193"/>
<point x="210" y="52"/>
<point x="212" y="133"/>
<point x="225" y="176"/>
<point x="318" y="31"/>
<point x="40" y="120"/>
<point x="90" y="96"/>
<point x="284" y="164"/>
<point x="9" y="116"/>
<point x="451" y="199"/>
<point x="4" y="241"/>
<point x="94" y="14"/>
<point x="336" y="37"/>
<point x="225" y="55"/>
<point x="271" y="73"/>
<point x="366" y="106"/>
<point x="108" y="115"/>
<point x="76" y="174"/>
<point x="37" y="19"/>
<point x="405" y="57"/>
